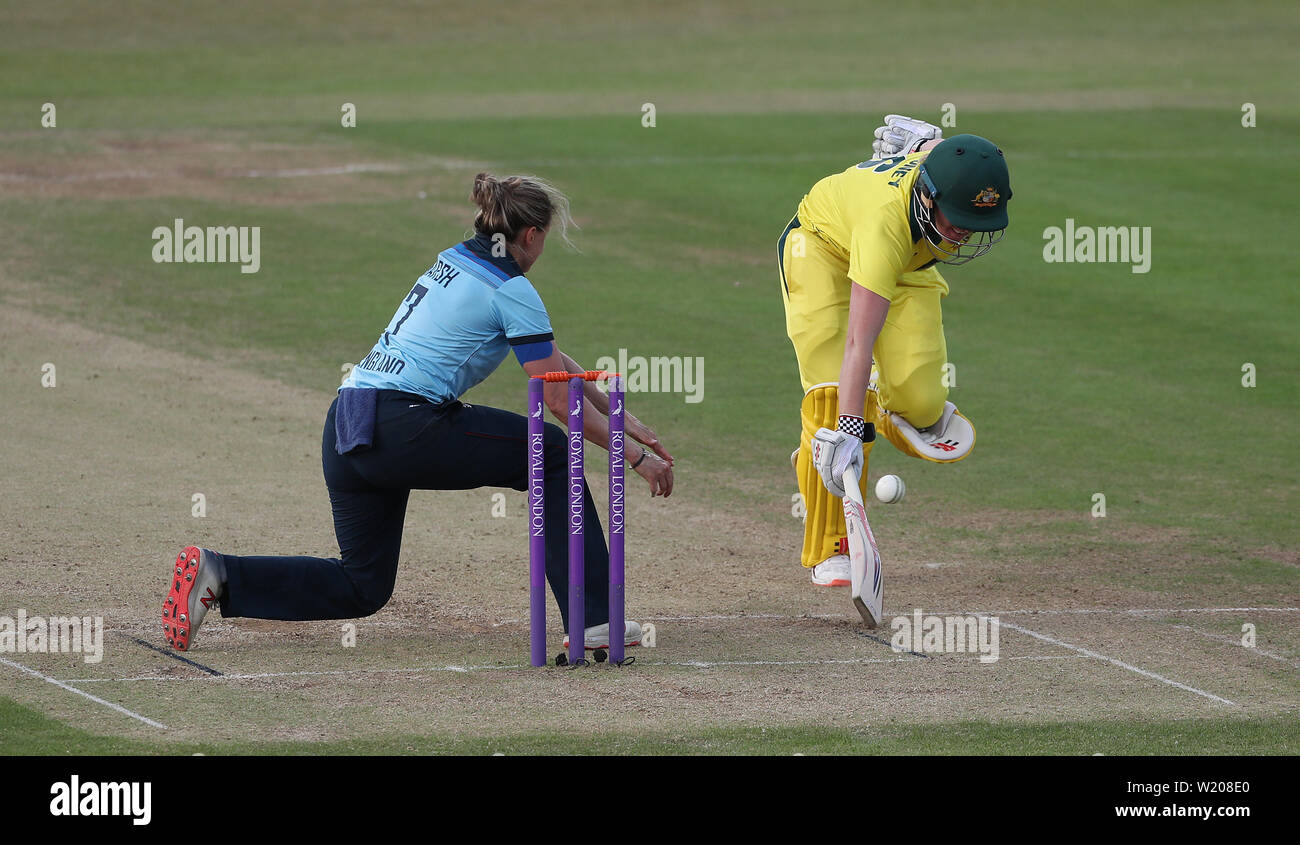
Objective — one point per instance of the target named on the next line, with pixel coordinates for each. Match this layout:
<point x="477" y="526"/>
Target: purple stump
<point x="577" y="567"/>
<point x="537" y="520"/>
<point x="616" y="490"/>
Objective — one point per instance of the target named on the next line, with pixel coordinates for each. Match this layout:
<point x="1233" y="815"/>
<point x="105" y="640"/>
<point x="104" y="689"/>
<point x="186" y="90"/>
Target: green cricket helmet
<point x="966" y="176"/>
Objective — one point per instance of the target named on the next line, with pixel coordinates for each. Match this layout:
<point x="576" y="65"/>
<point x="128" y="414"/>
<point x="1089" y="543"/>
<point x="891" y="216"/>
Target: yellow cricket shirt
<point x="864" y="213"/>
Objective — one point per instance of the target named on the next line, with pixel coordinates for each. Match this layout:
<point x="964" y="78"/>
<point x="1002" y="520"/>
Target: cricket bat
<point x="867" y="580"/>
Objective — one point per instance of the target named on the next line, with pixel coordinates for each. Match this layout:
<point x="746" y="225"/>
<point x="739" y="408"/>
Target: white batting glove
<point x="832" y="453"/>
<point x="903" y="135"/>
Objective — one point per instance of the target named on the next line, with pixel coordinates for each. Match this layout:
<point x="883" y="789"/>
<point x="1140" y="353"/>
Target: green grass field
<point x="1081" y="378"/>
<point x="33" y="733"/>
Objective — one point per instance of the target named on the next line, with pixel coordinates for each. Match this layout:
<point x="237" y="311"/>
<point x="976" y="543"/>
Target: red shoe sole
<point x="838" y="582"/>
<point x="175" y="610"/>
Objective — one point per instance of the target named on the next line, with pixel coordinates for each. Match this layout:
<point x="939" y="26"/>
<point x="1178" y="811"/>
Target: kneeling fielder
<point x="859" y="281"/>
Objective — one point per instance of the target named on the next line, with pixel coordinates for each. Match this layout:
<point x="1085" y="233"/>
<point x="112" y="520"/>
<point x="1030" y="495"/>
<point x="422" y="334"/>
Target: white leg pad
<point x="950" y="439"/>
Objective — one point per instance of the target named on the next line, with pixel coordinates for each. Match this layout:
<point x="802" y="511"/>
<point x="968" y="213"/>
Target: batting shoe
<point x="835" y="571"/>
<point x="197" y="584"/>
<point x="598" y="635"/>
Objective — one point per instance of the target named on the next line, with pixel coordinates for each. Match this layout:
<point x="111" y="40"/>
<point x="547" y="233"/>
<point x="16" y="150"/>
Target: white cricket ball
<point x="890" y="489"/>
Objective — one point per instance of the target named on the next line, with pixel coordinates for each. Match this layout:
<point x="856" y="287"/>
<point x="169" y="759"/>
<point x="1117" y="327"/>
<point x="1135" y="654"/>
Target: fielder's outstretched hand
<point x="658" y="472"/>
<point x="644" y="434"/>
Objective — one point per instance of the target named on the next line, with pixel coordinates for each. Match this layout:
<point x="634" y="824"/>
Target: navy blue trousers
<point x="417" y="446"/>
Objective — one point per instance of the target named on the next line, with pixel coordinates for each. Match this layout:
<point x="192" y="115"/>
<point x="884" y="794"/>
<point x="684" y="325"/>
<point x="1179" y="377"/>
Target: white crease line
<point x="1233" y="641"/>
<point x="101" y="176"/>
<point x="709" y="664"/>
<point x="119" y="708"/>
<point x="316" y="673"/>
<point x="642" y="161"/>
<point x="1115" y="662"/>
<point x="649" y="161"/>
<point x="722" y="617"/>
<point x="594" y="161"/>
<point x="597" y="161"/>
<point x="432" y="164"/>
<point x="1135" y="611"/>
<point x="698" y="664"/>
<point x="286" y="173"/>
<point x="727" y="617"/>
<point x="1145" y="610"/>
<point x="336" y="170"/>
<point x="465" y="669"/>
<point x="693" y="664"/>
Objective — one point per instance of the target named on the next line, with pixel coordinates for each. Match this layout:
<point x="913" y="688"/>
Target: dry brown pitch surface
<point x="100" y="471"/>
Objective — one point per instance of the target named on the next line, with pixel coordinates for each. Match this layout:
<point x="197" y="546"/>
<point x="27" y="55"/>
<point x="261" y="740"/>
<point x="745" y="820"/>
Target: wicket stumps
<point x="576" y="515"/>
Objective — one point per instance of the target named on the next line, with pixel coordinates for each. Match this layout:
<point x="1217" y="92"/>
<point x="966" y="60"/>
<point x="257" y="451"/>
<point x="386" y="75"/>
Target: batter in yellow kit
<point x="859" y="282"/>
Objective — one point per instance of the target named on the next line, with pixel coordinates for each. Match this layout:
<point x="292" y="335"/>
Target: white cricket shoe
<point x="598" y="635"/>
<point x="196" y="585"/>
<point x="835" y="571"/>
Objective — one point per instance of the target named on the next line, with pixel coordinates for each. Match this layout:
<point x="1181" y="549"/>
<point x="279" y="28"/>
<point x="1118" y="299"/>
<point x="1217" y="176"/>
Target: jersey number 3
<point x="412" y="299"/>
<point x="881" y="164"/>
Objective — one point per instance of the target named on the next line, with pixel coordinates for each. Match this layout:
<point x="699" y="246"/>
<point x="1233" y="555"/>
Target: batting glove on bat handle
<point x="832" y="453"/>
